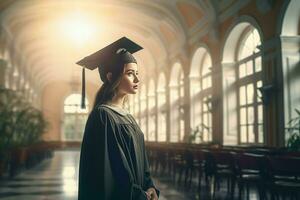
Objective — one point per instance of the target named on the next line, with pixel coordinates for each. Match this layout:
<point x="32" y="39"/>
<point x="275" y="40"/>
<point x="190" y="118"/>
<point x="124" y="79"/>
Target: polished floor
<point x="57" y="179"/>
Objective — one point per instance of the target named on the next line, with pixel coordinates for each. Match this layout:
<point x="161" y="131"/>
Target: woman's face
<point x="129" y="80"/>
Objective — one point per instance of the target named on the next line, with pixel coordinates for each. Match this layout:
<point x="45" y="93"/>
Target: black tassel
<point x="83" y="89"/>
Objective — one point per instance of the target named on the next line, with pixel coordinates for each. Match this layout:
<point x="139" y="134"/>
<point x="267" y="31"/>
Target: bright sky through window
<point x="72" y="104"/>
<point x="250" y="44"/>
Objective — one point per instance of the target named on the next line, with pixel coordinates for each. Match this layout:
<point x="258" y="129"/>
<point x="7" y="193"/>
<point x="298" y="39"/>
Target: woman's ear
<point x="109" y="76"/>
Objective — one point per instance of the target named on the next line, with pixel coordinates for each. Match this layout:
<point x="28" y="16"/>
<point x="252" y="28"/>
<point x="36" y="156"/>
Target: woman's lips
<point x="135" y="87"/>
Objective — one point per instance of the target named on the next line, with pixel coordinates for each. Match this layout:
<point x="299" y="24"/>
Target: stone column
<point x="280" y="61"/>
<point x="187" y="107"/>
<point x="289" y="71"/>
<point x="3" y="66"/>
<point x="225" y="104"/>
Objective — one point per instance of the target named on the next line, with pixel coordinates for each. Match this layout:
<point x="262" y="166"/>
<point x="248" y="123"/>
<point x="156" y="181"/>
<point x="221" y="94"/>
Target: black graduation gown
<point x="113" y="160"/>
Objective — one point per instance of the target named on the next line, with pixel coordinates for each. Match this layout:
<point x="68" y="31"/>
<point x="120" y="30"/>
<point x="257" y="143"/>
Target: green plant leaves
<point x="293" y="129"/>
<point x="20" y="123"/>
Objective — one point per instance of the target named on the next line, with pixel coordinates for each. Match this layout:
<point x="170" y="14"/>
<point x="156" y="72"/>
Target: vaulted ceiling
<point x="47" y="37"/>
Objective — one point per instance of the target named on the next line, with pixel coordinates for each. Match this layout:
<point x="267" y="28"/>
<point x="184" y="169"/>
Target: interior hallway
<point x="57" y="179"/>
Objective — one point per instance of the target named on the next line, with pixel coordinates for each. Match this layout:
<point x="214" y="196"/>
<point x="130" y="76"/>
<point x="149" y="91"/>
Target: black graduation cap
<point x="108" y="59"/>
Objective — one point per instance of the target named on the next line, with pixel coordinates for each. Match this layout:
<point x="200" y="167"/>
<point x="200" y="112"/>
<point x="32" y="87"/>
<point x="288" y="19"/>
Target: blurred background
<point x="218" y="78"/>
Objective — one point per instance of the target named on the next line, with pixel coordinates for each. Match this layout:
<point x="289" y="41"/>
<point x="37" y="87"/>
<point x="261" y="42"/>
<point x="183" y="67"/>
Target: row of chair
<point x="273" y="172"/>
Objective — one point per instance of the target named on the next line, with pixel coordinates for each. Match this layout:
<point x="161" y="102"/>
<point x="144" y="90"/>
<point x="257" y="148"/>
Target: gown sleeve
<point x="91" y="170"/>
<point x="103" y="171"/>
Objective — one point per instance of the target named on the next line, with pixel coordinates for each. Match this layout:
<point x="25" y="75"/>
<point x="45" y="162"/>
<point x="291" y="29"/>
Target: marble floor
<point x="57" y="179"/>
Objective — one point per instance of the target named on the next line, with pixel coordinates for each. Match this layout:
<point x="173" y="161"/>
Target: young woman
<point x="113" y="161"/>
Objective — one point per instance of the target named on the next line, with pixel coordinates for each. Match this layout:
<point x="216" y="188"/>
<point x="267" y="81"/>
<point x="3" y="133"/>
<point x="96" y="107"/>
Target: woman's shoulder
<point x="99" y="111"/>
<point x="113" y="110"/>
<point x="107" y="112"/>
<point x="102" y="110"/>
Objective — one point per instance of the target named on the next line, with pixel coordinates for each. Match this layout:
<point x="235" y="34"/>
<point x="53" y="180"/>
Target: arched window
<point x="8" y="75"/>
<point x="161" y="107"/>
<point x="131" y="103"/>
<point x="136" y="105"/>
<point x="176" y="103"/>
<point x="143" y="113"/>
<point x="5" y="68"/>
<point x="250" y="110"/>
<point x="15" y="78"/>
<point x="151" y="111"/>
<point x="201" y="91"/>
<point x="242" y="72"/>
<point x="74" y="118"/>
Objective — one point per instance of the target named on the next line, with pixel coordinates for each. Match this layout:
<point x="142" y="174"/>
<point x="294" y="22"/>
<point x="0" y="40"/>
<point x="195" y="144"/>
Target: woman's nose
<point x="136" y="79"/>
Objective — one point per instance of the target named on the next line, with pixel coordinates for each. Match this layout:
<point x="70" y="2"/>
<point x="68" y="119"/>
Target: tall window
<point x="143" y="111"/>
<point x="15" y="78"/>
<point x="74" y="118"/>
<point x="162" y="111"/>
<point x="136" y="105"/>
<point x="181" y="107"/>
<point x="8" y="76"/>
<point x="3" y="72"/>
<point x="151" y="111"/>
<point x="5" y="65"/>
<point x="201" y="90"/>
<point x="176" y="103"/>
<point x="250" y="109"/>
<point x="131" y="103"/>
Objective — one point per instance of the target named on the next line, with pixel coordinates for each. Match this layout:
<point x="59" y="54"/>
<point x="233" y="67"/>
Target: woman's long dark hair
<point x="109" y="88"/>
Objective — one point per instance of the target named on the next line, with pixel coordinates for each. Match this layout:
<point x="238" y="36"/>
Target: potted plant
<point x="193" y="135"/>
<point x="293" y="142"/>
<point x="21" y="126"/>
<point x="8" y="103"/>
<point x="197" y="132"/>
<point x="28" y="128"/>
<point x="20" y="131"/>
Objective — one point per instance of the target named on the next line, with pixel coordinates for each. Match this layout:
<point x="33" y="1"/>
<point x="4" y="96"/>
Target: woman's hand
<point x="148" y="196"/>
<point x="151" y="194"/>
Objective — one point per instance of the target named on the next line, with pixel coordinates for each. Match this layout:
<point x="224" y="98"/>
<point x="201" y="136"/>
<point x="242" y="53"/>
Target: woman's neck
<point x="117" y="100"/>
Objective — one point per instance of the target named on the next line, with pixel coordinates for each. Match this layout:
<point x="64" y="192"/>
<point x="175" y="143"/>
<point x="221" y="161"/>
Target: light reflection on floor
<point x="53" y="179"/>
<point x="57" y="179"/>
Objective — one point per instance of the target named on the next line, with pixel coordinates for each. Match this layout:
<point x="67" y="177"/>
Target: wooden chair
<point x="284" y="176"/>
<point x="249" y="171"/>
<point x="221" y="166"/>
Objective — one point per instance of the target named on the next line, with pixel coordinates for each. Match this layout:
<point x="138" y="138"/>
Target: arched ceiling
<point x="51" y="35"/>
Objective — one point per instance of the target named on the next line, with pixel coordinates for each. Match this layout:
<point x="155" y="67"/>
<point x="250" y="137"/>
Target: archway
<point x="176" y="99"/>
<point x="200" y="95"/>
<point x="242" y="78"/>
<point x="161" y="108"/>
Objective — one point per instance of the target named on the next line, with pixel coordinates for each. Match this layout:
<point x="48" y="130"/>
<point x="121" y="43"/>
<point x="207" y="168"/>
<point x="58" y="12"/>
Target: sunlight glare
<point x="78" y="28"/>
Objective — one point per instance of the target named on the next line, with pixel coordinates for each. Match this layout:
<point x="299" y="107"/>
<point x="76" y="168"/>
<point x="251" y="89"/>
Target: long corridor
<point x="57" y="179"/>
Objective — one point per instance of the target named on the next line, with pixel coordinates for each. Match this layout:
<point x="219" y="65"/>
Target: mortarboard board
<point x="108" y="59"/>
